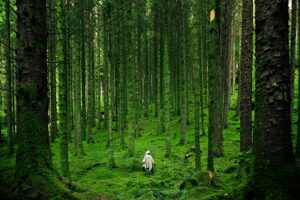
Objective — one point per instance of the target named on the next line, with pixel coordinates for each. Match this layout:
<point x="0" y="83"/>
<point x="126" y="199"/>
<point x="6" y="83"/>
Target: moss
<point x="47" y="185"/>
<point x="128" y="181"/>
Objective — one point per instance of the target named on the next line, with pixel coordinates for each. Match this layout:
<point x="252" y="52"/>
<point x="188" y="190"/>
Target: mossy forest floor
<point x="174" y="177"/>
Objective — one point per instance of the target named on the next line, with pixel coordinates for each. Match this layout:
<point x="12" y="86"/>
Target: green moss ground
<point x="174" y="177"/>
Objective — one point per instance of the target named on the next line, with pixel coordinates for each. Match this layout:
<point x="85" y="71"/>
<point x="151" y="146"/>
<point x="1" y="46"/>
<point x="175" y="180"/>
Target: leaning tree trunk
<point x="272" y="133"/>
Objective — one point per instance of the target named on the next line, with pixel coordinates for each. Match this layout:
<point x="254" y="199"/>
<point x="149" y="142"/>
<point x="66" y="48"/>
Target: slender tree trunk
<point x="112" y="163"/>
<point x="298" y="123"/>
<point x="214" y="75"/>
<point x="78" y="128"/>
<point x="273" y="101"/>
<point x="105" y="40"/>
<point x="63" y="101"/>
<point x="10" y="136"/>
<point x="83" y="68"/>
<point x="246" y="77"/>
<point x="91" y="109"/>
<point x="182" y="65"/>
<point x="226" y="59"/>
<point x="197" y="86"/>
<point x="52" y="60"/>
<point x="293" y="55"/>
<point x="167" y="111"/>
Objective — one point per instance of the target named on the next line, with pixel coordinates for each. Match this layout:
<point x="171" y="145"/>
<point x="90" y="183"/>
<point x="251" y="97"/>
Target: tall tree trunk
<point x="183" y="74"/>
<point x="10" y="136"/>
<point x="33" y="161"/>
<point x="273" y="101"/>
<point x="293" y="55"/>
<point x="167" y="111"/>
<point x="226" y="58"/>
<point x="91" y="102"/>
<point x="83" y="68"/>
<point x="78" y="128"/>
<point x="77" y="98"/>
<point x="32" y="94"/>
<point x="197" y="86"/>
<point x="246" y="76"/>
<point x="52" y="60"/>
<point x="214" y="77"/>
<point x="298" y="123"/>
<point x="106" y="13"/>
<point x="63" y="101"/>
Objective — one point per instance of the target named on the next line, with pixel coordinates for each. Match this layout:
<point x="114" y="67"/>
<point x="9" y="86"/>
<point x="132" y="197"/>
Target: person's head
<point x="147" y="152"/>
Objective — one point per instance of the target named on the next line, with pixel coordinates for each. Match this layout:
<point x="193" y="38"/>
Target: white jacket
<point x="148" y="162"/>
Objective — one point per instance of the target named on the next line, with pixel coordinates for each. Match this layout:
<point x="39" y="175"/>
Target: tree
<point x="9" y="108"/>
<point x="182" y="46"/>
<point x="91" y="71"/>
<point x="214" y="78"/>
<point x="246" y="77"/>
<point x="77" y="91"/>
<point x="32" y="108"/>
<point x="83" y="67"/>
<point x="215" y="84"/>
<point x="226" y="46"/>
<point x="63" y="94"/>
<point x="273" y="100"/>
<point x="52" y="65"/>
<point x="298" y="124"/>
<point x="293" y="54"/>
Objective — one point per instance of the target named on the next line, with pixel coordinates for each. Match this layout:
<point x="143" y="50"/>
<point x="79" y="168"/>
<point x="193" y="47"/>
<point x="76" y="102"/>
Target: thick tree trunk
<point x="246" y="77"/>
<point x="32" y="96"/>
<point x="272" y="134"/>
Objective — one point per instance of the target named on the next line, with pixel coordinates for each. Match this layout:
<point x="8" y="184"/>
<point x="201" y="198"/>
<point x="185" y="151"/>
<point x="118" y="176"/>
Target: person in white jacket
<point x="148" y="162"/>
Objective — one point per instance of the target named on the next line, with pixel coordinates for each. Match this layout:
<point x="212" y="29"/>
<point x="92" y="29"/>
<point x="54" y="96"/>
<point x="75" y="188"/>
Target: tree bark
<point x="298" y="122"/>
<point x="32" y="96"/>
<point x="293" y="55"/>
<point x="246" y="77"/>
<point x="52" y="60"/>
<point x="272" y="133"/>
<point x="9" y="105"/>
<point x="63" y="96"/>
<point x="215" y="137"/>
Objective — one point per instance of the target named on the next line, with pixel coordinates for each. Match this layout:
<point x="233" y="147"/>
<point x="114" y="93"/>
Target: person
<point x="148" y="163"/>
